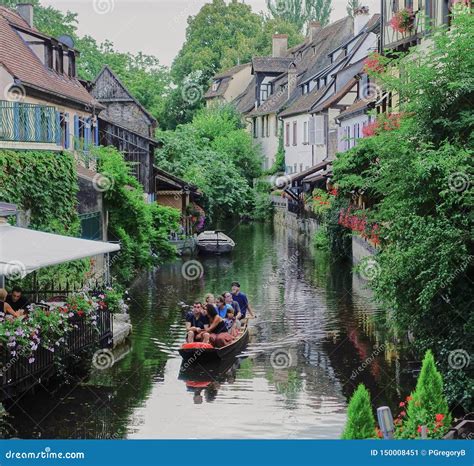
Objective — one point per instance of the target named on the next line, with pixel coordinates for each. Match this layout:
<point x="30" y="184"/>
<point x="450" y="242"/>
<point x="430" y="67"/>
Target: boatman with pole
<point x="243" y="301"/>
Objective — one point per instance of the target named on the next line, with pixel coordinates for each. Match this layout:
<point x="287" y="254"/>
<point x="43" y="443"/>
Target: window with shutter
<point x="287" y="136"/>
<point x="295" y="133"/>
<point x="312" y="131"/>
<point x="319" y="130"/>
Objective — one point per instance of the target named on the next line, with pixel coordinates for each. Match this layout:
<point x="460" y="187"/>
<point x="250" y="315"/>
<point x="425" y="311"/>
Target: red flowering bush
<point x="372" y="64"/>
<point x="357" y="222"/>
<point x="403" y="20"/>
<point x="387" y="122"/>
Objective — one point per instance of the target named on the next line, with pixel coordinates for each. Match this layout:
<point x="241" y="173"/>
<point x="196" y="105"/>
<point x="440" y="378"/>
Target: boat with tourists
<point x="215" y="242"/>
<point x="206" y="352"/>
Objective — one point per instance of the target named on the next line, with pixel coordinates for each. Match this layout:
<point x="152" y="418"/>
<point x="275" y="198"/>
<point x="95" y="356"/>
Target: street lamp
<point x="385" y="418"/>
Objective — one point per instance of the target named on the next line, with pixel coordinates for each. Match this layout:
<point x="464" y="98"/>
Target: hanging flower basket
<point x="403" y="20"/>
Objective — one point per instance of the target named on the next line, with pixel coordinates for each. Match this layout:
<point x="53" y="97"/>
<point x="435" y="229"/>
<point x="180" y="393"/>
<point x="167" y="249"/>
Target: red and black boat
<point x="201" y="352"/>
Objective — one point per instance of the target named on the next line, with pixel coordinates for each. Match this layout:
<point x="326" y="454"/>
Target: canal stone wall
<point x="361" y="249"/>
<point x="306" y="226"/>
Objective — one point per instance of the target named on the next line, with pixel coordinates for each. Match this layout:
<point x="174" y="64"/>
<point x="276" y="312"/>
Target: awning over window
<point x="23" y="251"/>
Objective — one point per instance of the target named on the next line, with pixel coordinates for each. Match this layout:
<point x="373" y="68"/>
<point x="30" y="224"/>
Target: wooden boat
<point x="202" y="352"/>
<point x="214" y="242"/>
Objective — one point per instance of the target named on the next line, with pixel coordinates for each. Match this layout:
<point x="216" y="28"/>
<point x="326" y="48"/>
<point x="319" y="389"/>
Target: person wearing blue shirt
<point x="196" y="322"/>
<point x="222" y="307"/>
<point x="243" y="301"/>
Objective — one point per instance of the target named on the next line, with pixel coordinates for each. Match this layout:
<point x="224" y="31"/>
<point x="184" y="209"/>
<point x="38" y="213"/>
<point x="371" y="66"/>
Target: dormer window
<point x="215" y="85"/>
<point x="58" y="60"/>
<point x="48" y="55"/>
<point x="265" y="91"/>
<point x="72" y="65"/>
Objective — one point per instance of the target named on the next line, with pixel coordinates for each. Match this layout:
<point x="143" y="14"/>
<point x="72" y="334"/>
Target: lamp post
<point x="385" y="418"/>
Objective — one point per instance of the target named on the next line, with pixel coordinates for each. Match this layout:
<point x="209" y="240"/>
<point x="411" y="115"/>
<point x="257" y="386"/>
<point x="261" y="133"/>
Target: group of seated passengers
<point x="13" y="305"/>
<point x="218" y="321"/>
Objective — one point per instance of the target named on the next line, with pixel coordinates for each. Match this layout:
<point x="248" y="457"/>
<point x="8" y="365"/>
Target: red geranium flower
<point x="439" y="417"/>
<point x="402" y="404"/>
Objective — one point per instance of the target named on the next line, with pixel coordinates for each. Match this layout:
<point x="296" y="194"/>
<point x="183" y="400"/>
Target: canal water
<point x="316" y="336"/>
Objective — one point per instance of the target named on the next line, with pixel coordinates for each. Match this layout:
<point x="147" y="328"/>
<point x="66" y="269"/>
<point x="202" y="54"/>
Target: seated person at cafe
<point x="16" y="299"/>
<point x="222" y="307"/>
<point x="196" y="322"/>
<point x="5" y="309"/>
<point x="216" y="334"/>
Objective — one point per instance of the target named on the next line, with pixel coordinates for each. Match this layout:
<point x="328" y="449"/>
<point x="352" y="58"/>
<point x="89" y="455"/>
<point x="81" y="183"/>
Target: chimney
<point x="25" y="10"/>
<point x="313" y="28"/>
<point x="280" y="45"/>
<point x="361" y="18"/>
<point x="292" y="79"/>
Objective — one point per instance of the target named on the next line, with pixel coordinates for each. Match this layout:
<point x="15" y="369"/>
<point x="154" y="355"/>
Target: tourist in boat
<point x="210" y="299"/>
<point x="222" y="307"/>
<point x="16" y="300"/>
<point x="196" y="322"/>
<point x="231" y="322"/>
<point x="216" y="334"/>
<point x="235" y="305"/>
<point x="5" y="309"/>
<point x="243" y="301"/>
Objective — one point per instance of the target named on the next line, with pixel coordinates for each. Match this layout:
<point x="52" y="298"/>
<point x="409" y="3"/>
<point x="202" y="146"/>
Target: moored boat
<point x="214" y="242"/>
<point x="201" y="352"/>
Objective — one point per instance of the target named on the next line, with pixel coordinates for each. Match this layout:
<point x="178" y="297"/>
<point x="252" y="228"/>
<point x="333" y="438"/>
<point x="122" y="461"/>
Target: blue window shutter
<point x="96" y="132"/>
<point x="37" y="137"/>
<point x="16" y="121"/>
<point x="88" y="133"/>
<point x="66" y="129"/>
<point x="49" y="125"/>
<point x="76" y="132"/>
<point x="58" y="128"/>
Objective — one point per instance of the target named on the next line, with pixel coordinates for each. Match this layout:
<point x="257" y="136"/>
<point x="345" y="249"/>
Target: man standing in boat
<point x="243" y="301"/>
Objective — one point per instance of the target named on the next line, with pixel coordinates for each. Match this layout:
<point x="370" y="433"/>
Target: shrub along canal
<point x="315" y="338"/>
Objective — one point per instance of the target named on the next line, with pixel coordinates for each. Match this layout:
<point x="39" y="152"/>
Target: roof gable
<point x="107" y="87"/>
<point x="23" y="64"/>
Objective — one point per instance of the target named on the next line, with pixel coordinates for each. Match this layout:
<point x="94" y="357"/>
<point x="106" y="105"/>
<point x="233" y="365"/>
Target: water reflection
<point x="316" y="337"/>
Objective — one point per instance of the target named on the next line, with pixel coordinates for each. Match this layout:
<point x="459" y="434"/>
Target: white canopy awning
<point x="23" y="251"/>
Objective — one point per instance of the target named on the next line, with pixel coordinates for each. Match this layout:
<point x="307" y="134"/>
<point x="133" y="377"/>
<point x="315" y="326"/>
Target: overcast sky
<point x="155" y="27"/>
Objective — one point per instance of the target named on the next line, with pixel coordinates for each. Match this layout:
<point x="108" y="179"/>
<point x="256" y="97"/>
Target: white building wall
<point x="267" y="139"/>
<point x="299" y="156"/>
<point x="350" y="130"/>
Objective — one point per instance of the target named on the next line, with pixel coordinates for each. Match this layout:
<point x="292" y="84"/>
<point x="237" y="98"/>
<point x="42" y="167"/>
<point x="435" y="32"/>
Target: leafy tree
<point x="300" y="12"/>
<point x="427" y="405"/>
<point x="352" y="6"/>
<point x="142" y="228"/>
<point x="417" y="171"/>
<point x="360" y="418"/>
<point x="220" y="36"/>
<point x="215" y="153"/>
